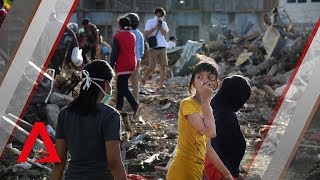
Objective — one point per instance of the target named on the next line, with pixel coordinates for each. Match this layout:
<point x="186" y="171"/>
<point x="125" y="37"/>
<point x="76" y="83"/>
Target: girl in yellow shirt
<point x="196" y="126"/>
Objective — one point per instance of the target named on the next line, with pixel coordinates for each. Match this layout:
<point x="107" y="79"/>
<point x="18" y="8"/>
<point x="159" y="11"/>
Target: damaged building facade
<point x="302" y="12"/>
<point x="187" y="19"/>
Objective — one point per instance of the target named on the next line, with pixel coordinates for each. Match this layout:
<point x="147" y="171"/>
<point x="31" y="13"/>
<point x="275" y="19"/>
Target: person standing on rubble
<point x="229" y="143"/>
<point x="89" y="130"/>
<point x="196" y="125"/>
<point x="90" y="40"/>
<point x="134" y="19"/>
<point x="159" y="28"/>
<point x="123" y="58"/>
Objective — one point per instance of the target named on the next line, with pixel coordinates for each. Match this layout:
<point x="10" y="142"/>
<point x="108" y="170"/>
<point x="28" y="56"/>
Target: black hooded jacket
<point x="229" y="143"/>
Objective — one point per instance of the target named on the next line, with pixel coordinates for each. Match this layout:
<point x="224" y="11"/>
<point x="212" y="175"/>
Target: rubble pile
<point x="45" y="105"/>
<point x="267" y="58"/>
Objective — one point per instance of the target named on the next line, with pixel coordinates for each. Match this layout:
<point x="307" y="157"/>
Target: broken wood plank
<point x="261" y="67"/>
<point x="270" y="91"/>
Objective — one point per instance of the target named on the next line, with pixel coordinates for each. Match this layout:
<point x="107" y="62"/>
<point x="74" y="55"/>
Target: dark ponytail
<point x="86" y="101"/>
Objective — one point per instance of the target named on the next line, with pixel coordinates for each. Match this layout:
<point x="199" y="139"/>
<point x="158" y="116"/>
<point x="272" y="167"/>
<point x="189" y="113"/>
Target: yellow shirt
<point x="188" y="163"/>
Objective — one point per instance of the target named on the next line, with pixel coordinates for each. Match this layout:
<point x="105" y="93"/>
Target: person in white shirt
<point x="171" y="43"/>
<point x="159" y="28"/>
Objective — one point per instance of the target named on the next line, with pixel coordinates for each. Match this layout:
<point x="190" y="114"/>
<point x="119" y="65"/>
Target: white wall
<point x="308" y="12"/>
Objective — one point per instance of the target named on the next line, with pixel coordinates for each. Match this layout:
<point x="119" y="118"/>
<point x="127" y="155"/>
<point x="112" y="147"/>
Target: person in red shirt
<point x="123" y="58"/>
<point x="3" y="12"/>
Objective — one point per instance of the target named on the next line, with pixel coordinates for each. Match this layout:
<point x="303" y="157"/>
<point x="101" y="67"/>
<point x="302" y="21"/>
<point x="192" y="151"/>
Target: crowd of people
<point x="210" y="142"/>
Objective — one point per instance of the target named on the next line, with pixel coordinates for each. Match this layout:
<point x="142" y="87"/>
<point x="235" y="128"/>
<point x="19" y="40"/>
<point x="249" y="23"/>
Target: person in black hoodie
<point x="229" y="143"/>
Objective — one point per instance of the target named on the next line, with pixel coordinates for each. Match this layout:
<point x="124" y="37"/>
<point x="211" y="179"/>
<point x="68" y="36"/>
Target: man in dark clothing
<point x="229" y="143"/>
<point x="90" y="40"/>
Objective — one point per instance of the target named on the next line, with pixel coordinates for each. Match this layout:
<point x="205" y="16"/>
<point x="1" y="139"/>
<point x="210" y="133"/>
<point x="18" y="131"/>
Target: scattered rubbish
<point x="166" y="106"/>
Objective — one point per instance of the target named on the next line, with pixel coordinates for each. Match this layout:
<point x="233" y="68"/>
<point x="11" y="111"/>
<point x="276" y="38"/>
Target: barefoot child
<point x="229" y="143"/>
<point x="195" y="125"/>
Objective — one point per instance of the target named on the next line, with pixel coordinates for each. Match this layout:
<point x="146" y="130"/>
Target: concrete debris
<point x="60" y="99"/>
<point x="174" y="55"/>
<point x="21" y="167"/>
<point x="28" y="170"/>
<point x="273" y="70"/>
<point x="20" y="134"/>
<point x="52" y="112"/>
<point x="243" y="57"/>
<point x="187" y="59"/>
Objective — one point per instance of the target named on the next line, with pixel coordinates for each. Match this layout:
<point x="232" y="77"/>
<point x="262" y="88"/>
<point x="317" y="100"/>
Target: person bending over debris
<point x="195" y="125"/>
<point x="123" y="57"/>
<point x="229" y="143"/>
<point x="90" y="130"/>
